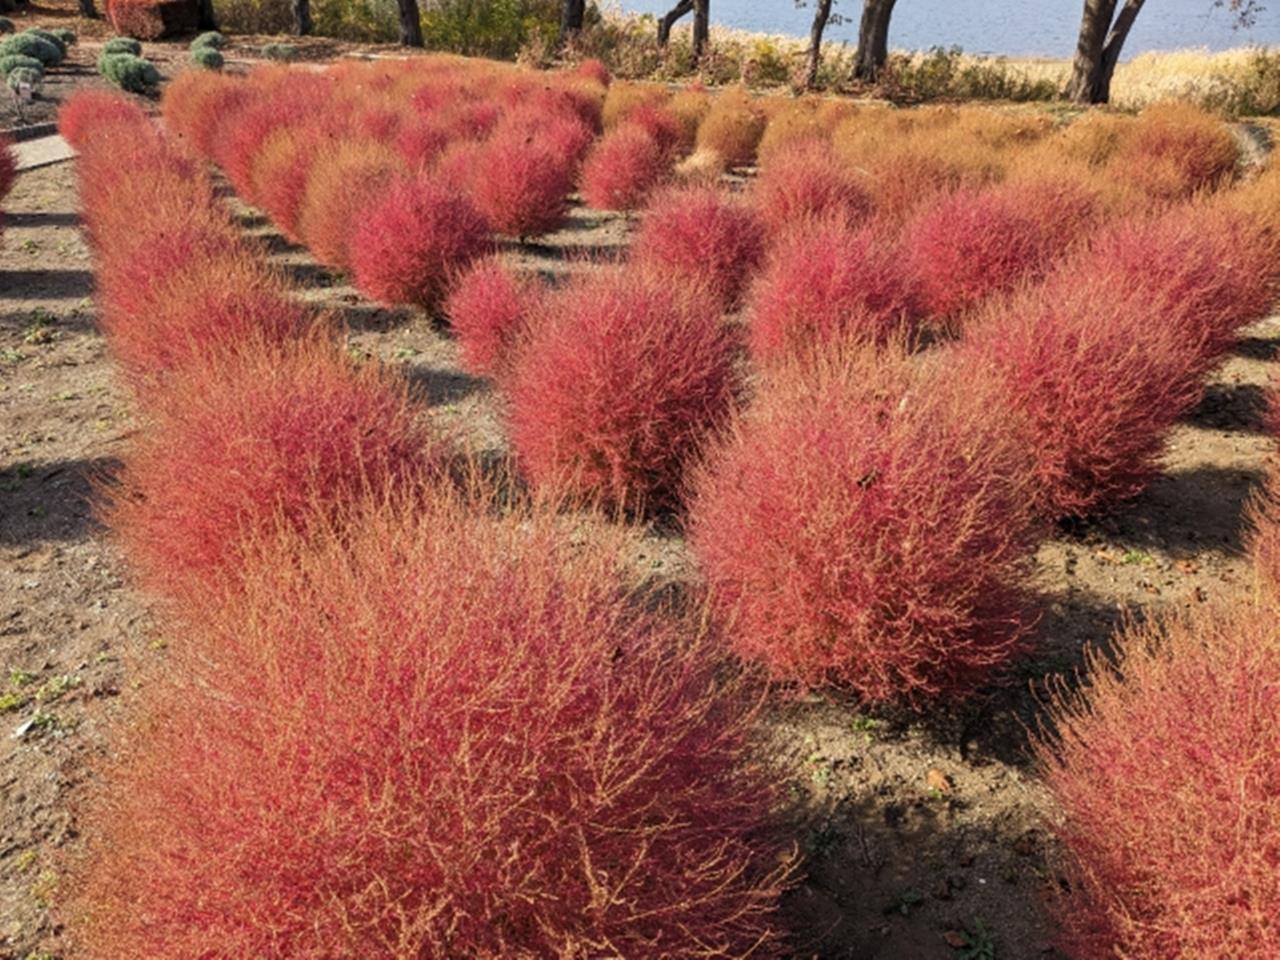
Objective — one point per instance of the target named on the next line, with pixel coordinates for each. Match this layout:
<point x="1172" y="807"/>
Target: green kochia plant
<point x="30" y="45"/>
<point x="129" y="72"/>
<point x="207" y="57"/>
<point x="122" y="45"/>
<point x="14" y="61"/>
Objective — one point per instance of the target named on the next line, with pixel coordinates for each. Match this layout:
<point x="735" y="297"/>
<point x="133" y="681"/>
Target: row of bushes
<point x="863" y="518"/>
<point x="392" y="721"/>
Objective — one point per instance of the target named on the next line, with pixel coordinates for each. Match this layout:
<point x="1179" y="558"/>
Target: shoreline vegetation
<point x="1239" y="82"/>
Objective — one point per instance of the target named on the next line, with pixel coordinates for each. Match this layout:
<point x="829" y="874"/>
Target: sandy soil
<point x="921" y="838"/>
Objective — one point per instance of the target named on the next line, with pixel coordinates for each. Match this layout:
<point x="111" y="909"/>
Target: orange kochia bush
<point x="426" y="732"/>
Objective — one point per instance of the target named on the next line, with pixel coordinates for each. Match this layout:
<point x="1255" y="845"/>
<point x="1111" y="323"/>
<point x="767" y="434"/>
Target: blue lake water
<point x="1013" y="28"/>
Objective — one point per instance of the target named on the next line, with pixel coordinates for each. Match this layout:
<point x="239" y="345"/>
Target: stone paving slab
<point x="42" y="151"/>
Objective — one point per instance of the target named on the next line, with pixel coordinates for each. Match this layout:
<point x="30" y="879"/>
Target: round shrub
<point x="18" y="61"/>
<point x="129" y="72"/>
<point x="594" y="69"/>
<point x="866" y="525"/>
<point x="521" y="186"/>
<point x="1213" y="269"/>
<point x="732" y="128"/>
<point x="1167" y="781"/>
<point x="252" y="438"/>
<point x="32" y="79"/>
<point x="971" y="245"/>
<point x="622" y="378"/>
<point x="703" y="237"/>
<point x="210" y="40"/>
<point x="91" y="110"/>
<point x="280" y="51"/>
<point x="279" y="174"/>
<point x="343" y="184"/>
<point x="1174" y="149"/>
<point x="623" y="168"/>
<point x="6" y="25"/>
<point x="446" y="735"/>
<point x="30" y="45"/>
<point x="488" y="311"/>
<point x="123" y="45"/>
<point x="67" y="36"/>
<point x="207" y="58"/>
<point x="1090" y="362"/>
<point x="52" y="37"/>
<point x="188" y="293"/>
<point x="827" y="281"/>
<point x="415" y="239"/>
<point x="805" y="181"/>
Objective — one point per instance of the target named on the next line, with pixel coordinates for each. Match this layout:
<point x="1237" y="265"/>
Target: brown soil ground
<point x="921" y="838"/>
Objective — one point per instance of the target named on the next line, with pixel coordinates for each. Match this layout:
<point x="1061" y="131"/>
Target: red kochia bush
<point x="623" y="168"/>
<point x="806" y="181"/>
<point x="8" y="167"/>
<point x="979" y="242"/>
<point x="623" y="376"/>
<point x="91" y="110"/>
<point x="342" y="186"/>
<point x="1089" y="360"/>
<point x="414" y="241"/>
<point x="1213" y="269"/>
<point x="826" y="281"/>
<point x="251" y="438"/>
<point x="435" y="734"/>
<point x="701" y="236"/>
<point x="866" y="525"/>
<point x="488" y="311"/>
<point x="217" y="299"/>
<point x="1167" y="779"/>
<point x="521" y="185"/>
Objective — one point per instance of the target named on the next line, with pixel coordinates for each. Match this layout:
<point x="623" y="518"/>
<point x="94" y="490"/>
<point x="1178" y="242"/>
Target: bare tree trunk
<point x="207" y="19"/>
<point x="87" y="9"/>
<point x="821" y="14"/>
<point x="701" y="27"/>
<point x="410" y="23"/>
<point x="873" y="40"/>
<point x="669" y="20"/>
<point x="301" y="17"/>
<point x="571" y="16"/>
<point x="1115" y="42"/>
<point x="1086" y="68"/>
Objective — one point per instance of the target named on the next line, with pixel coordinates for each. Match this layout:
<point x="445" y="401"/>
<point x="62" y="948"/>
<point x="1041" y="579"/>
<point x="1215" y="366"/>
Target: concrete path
<point x="42" y="151"/>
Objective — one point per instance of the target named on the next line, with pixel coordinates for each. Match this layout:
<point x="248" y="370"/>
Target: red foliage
<point x="661" y="124"/>
<point x="866" y="524"/>
<point x="806" y="181"/>
<point x="827" y="281"/>
<point x="703" y="237"/>
<point x="279" y="173"/>
<point x="455" y="166"/>
<point x="421" y="141"/>
<point x="1175" y="149"/>
<point x="91" y="110"/>
<point x="435" y="734"/>
<point x="488" y="310"/>
<point x="236" y="150"/>
<point x="1167" y="779"/>
<point x="1090" y="361"/>
<point x="136" y="18"/>
<point x="198" y="294"/>
<point x="521" y="185"/>
<point x="593" y="69"/>
<point x="344" y="184"/>
<point x="1211" y="268"/>
<point x="8" y="167"/>
<point x="623" y="168"/>
<point x="979" y="242"/>
<point x="251" y="438"/>
<point x="414" y="241"/>
<point x="196" y="103"/>
<point x="621" y="380"/>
